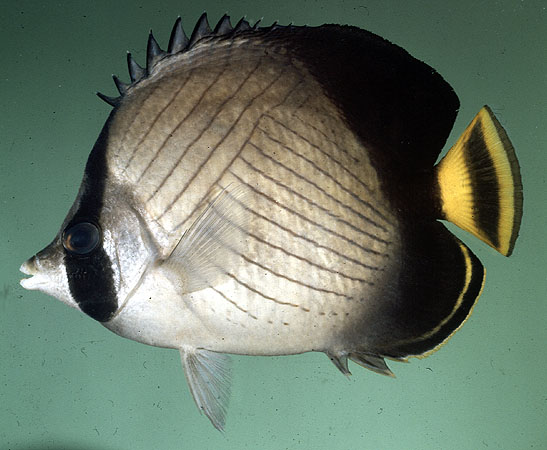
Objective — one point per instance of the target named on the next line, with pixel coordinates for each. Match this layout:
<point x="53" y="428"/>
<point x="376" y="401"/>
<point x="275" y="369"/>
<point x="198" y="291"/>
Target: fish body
<point x="272" y="191"/>
<point x="245" y="132"/>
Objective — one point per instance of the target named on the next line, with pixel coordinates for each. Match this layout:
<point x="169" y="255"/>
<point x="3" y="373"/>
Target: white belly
<point x="233" y="318"/>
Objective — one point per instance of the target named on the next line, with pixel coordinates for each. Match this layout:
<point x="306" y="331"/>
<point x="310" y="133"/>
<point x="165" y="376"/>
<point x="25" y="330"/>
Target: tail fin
<point x="480" y="185"/>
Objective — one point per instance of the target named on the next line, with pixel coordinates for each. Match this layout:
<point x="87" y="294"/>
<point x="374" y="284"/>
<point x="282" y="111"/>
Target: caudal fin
<point x="480" y="184"/>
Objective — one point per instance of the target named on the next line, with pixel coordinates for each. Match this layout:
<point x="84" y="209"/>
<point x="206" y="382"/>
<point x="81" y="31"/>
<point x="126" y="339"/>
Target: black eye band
<point x="82" y="238"/>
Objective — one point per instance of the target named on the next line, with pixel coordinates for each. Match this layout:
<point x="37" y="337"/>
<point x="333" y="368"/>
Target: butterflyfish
<point x="274" y="191"/>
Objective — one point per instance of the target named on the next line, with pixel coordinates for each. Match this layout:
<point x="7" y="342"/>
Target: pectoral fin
<point x="211" y="245"/>
<point x="209" y="377"/>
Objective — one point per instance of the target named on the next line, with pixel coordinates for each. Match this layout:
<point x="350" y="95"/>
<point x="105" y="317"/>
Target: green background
<point x="68" y="383"/>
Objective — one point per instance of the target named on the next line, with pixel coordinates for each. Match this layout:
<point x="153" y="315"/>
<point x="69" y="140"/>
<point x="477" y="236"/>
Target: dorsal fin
<point x="178" y="42"/>
<point x="400" y="107"/>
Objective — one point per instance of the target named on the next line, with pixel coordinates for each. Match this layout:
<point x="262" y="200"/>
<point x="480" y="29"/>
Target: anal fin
<point x="372" y="362"/>
<point x="340" y="360"/>
<point x="209" y="377"/>
<point x="428" y="300"/>
<point x="368" y="360"/>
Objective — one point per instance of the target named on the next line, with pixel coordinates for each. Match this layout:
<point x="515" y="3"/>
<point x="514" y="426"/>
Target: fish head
<point x="98" y="257"/>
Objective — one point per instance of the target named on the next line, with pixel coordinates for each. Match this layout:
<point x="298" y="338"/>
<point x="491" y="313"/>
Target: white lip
<point x="28" y="283"/>
<point x="35" y="281"/>
<point x="27" y="268"/>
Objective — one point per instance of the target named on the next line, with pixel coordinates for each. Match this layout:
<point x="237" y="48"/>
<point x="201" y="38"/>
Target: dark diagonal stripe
<point x="293" y="280"/>
<point x="311" y="263"/>
<point x="261" y="294"/>
<point x="299" y="236"/>
<point x="329" y="156"/>
<point x="245" y="109"/>
<point x="315" y="205"/>
<point x="365" y="203"/>
<point x="158" y="116"/>
<point x="322" y="133"/>
<point x="233" y="303"/>
<point x="140" y="110"/>
<point x="315" y="185"/>
<point x="245" y="142"/>
<point x="170" y="135"/>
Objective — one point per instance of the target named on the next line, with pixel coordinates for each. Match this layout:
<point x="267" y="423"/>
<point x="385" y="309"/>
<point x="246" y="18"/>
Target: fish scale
<point x="273" y="191"/>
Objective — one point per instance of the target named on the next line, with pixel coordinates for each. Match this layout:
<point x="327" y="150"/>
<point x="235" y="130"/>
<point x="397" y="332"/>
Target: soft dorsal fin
<point x="399" y="106"/>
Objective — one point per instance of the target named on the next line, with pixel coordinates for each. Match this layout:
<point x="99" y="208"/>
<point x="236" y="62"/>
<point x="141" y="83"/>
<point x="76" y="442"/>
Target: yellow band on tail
<point x="480" y="184"/>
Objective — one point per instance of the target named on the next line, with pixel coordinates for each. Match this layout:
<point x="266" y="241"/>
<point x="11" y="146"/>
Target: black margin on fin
<point x="400" y="107"/>
<point x="436" y="340"/>
<point x="480" y="185"/>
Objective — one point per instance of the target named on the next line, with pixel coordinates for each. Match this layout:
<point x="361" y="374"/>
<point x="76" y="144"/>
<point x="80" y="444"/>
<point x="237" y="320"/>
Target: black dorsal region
<point x="90" y="277"/>
<point x="400" y="107"/>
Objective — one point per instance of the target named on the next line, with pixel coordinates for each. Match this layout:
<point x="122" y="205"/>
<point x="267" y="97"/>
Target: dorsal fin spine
<point x="223" y="26"/>
<point x="178" y="42"/>
<point x="112" y="101"/>
<point x="201" y="30"/>
<point x="120" y="85"/>
<point x="136" y="72"/>
<point x="154" y="53"/>
<point x="242" y="25"/>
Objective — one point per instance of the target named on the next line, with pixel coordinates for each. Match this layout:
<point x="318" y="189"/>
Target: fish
<point x="275" y="191"/>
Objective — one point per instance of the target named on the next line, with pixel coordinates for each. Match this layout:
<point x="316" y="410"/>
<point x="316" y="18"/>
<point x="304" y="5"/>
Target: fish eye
<point x="82" y="238"/>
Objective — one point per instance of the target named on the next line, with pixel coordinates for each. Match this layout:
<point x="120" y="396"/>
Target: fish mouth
<point x="35" y="281"/>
